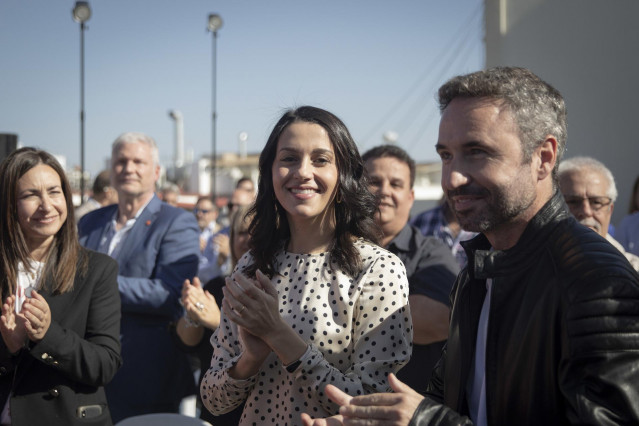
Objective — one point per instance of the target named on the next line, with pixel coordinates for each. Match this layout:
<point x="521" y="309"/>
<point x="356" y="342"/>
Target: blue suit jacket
<point x="160" y="251"/>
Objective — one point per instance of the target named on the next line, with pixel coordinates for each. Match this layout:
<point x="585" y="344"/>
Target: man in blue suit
<point x="157" y="248"/>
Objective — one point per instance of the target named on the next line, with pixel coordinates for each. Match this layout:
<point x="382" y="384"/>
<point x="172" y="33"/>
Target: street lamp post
<point x="81" y="14"/>
<point x="215" y="23"/>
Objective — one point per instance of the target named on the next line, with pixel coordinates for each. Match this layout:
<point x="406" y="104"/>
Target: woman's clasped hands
<point x="252" y="305"/>
<point x="200" y="305"/>
<point x="31" y="323"/>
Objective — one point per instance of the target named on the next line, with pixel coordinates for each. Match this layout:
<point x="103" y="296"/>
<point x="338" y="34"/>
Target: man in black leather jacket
<point x="544" y="327"/>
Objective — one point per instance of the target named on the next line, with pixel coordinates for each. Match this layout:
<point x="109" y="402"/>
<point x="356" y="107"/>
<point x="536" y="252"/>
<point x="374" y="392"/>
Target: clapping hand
<point x="396" y="408"/>
<point x="252" y="303"/>
<point x="247" y="304"/>
<point x="200" y="305"/>
<point x="38" y="315"/>
<point x="12" y="326"/>
<point x="223" y="244"/>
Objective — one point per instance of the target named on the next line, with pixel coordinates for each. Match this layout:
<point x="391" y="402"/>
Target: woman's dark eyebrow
<point x="315" y="151"/>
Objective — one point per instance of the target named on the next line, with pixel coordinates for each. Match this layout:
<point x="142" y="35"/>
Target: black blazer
<point x="59" y="380"/>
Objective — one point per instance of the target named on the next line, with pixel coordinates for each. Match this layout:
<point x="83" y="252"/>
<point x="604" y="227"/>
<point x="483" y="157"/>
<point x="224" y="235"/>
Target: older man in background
<point x="590" y="191"/>
<point x="156" y="246"/>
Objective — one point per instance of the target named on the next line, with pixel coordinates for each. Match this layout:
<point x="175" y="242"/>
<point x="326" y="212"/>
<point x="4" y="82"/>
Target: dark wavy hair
<point x="354" y="213"/>
<point x="65" y="255"/>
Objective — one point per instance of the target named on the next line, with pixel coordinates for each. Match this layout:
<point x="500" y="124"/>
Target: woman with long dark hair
<point x="60" y="318"/>
<point x="315" y="301"/>
<point x="202" y="312"/>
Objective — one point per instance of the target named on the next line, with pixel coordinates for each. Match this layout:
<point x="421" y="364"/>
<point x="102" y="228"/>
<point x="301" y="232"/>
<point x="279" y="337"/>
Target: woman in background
<point x="202" y="313"/>
<point x="60" y="320"/>
<point x="315" y="301"/>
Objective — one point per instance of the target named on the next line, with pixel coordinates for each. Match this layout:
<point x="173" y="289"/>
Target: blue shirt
<point x="433" y="222"/>
<point x="627" y="233"/>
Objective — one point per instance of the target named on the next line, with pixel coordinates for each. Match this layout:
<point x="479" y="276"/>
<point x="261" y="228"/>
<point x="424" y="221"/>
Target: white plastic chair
<point x="162" y="419"/>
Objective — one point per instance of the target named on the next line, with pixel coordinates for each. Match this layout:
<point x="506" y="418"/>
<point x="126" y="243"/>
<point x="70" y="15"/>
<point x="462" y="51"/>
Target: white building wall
<point x="588" y="50"/>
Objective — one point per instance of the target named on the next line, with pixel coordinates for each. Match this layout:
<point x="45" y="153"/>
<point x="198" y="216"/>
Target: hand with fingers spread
<point x="395" y="408"/>
<point x="12" y="326"/>
<point x="337" y="396"/>
<point x="38" y="315"/>
<point x="200" y="305"/>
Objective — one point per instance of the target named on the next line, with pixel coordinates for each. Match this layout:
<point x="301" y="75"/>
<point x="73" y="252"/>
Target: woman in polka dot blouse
<point x="315" y="301"/>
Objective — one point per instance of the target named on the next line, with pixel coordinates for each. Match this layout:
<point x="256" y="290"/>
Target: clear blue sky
<point x="376" y="64"/>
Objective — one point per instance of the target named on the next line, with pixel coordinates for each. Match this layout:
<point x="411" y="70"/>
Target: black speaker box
<point x="8" y="144"/>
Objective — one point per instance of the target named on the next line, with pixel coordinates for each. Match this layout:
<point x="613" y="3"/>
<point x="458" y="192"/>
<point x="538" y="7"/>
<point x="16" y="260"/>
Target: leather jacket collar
<point x="486" y="263"/>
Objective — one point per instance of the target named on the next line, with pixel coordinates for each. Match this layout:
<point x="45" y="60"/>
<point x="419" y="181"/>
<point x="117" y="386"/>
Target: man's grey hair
<point x="537" y="107"/>
<point x="577" y="164"/>
<point x="133" y="137"/>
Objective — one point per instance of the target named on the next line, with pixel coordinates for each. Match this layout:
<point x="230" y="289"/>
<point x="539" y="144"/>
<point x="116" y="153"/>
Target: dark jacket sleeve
<point x="431" y="413"/>
<point x="600" y="370"/>
<point x="87" y="353"/>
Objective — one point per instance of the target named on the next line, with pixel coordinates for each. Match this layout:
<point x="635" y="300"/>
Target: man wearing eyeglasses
<point x="590" y="192"/>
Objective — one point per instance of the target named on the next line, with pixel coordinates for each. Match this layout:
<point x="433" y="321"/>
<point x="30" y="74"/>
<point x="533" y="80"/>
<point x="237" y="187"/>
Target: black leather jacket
<point x="563" y="331"/>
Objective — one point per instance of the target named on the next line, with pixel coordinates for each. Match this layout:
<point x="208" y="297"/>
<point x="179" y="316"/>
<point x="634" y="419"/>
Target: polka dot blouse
<point x="358" y="330"/>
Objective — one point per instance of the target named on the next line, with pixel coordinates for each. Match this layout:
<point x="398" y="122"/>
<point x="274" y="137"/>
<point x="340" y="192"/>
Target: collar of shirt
<point x="402" y="240"/>
<point x="117" y="236"/>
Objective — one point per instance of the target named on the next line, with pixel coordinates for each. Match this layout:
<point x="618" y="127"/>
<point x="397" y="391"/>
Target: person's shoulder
<point x="426" y="214"/>
<point x="98" y="265"/>
<point x="579" y="251"/>
<point x="98" y="215"/>
<point x="96" y="219"/>
<point x="422" y="243"/>
<point x="630" y="220"/>
<point x="177" y="215"/>
<point x="95" y="258"/>
<point x="433" y="244"/>
<point x="371" y="253"/>
<point x="169" y="210"/>
<point x="429" y="243"/>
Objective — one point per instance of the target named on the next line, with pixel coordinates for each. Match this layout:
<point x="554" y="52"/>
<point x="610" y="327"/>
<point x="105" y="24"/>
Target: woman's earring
<point x="338" y="198"/>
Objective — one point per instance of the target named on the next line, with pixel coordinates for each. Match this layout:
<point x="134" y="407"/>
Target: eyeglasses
<point x="203" y="211"/>
<point x="596" y="203"/>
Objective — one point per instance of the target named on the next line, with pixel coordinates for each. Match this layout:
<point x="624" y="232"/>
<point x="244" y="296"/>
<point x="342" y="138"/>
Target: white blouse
<point x="26" y="282"/>
<point x="358" y="330"/>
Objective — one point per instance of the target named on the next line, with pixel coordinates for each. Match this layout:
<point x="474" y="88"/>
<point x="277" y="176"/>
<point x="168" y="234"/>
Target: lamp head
<point x="215" y="22"/>
<point x="81" y="11"/>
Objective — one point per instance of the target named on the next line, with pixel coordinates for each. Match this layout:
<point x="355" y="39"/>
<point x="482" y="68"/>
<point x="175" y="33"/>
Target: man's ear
<point x="547" y="157"/>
